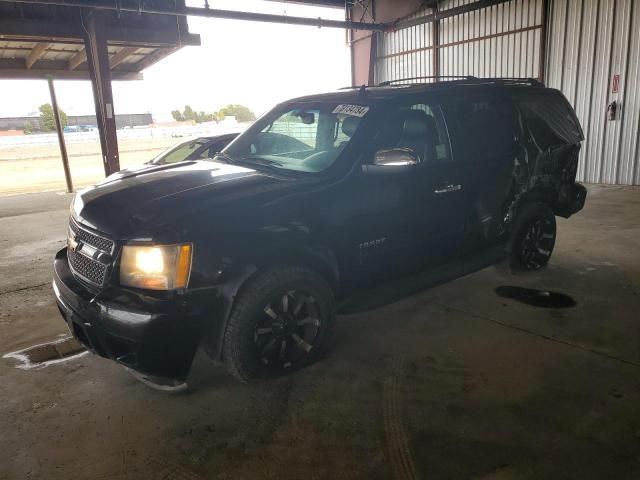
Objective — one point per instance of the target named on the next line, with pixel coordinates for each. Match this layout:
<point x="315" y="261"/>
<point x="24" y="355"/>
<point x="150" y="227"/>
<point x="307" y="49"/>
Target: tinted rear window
<point x="549" y="118"/>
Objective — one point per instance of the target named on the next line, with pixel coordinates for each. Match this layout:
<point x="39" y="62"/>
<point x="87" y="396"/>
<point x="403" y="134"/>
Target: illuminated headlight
<point x="164" y="267"/>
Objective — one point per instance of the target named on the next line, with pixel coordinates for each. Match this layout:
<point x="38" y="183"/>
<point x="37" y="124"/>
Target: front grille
<point x="89" y="255"/>
<point x="88" y="268"/>
<point x="89" y="238"/>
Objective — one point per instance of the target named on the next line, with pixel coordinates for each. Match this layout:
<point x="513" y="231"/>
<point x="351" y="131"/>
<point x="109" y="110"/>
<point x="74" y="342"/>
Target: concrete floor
<point x="452" y="383"/>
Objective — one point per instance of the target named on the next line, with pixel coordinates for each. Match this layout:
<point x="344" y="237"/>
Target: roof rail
<point x="399" y="80"/>
<point x="524" y="80"/>
<point x="534" y="82"/>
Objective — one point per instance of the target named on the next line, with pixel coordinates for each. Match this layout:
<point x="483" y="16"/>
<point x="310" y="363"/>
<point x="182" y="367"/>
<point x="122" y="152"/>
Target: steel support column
<point x="435" y="43"/>
<point x="59" y="131"/>
<point x="99" y="69"/>
<point x="543" y="41"/>
<point x="372" y="60"/>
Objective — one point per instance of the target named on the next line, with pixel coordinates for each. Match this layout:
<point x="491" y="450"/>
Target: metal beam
<point x="98" y="62"/>
<point x="543" y="42"/>
<point x="439" y="15"/>
<point x="435" y="43"/>
<point x="207" y="12"/>
<point x="61" y="144"/>
<point x="121" y="56"/>
<point x="67" y="32"/>
<point x="36" y="53"/>
<point x="78" y="59"/>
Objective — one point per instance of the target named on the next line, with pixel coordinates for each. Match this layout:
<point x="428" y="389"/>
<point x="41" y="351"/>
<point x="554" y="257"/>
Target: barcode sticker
<point x="353" y="110"/>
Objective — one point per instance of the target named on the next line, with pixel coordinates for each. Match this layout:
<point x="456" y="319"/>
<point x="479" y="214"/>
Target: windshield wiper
<point x="225" y="157"/>
<point x="261" y="161"/>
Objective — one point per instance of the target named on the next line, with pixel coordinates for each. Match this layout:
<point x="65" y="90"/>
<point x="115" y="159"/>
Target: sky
<point x="251" y="63"/>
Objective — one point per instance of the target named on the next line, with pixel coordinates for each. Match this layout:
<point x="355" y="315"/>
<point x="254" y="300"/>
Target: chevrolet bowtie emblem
<point x="72" y="243"/>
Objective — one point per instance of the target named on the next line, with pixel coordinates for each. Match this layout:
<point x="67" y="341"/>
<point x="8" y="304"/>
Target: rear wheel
<point x="282" y="320"/>
<point x="534" y="237"/>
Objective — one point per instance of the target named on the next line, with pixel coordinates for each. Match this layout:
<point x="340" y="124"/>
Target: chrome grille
<point x="89" y="254"/>
<point x="87" y="268"/>
<point x="89" y="238"/>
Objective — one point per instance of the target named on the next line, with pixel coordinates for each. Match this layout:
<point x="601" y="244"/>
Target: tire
<point x="281" y="321"/>
<point x="534" y="237"/>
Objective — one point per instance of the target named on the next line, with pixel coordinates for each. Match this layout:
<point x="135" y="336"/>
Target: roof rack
<point x="399" y="80"/>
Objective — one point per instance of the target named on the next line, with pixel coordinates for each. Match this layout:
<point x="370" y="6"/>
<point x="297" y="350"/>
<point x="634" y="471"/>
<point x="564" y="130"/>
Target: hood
<point x="137" y="203"/>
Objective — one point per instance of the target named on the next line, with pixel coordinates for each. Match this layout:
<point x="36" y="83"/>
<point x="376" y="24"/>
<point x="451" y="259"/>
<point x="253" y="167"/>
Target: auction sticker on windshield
<point x="353" y="110"/>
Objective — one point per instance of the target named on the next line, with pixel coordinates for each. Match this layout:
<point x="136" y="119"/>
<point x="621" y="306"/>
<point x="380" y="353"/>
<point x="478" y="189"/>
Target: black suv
<point x="247" y="255"/>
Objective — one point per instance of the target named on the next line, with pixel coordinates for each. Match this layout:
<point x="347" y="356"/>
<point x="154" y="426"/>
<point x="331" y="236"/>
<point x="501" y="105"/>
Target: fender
<point x="317" y="257"/>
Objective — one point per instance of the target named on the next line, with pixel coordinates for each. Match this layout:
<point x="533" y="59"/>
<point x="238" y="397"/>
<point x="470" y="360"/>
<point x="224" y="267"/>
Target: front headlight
<point x="164" y="267"/>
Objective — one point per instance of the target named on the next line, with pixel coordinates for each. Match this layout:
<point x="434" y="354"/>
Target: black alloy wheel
<point x="288" y="330"/>
<point x="537" y="244"/>
<point x="282" y="320"/>
<point x="534" y="237"/>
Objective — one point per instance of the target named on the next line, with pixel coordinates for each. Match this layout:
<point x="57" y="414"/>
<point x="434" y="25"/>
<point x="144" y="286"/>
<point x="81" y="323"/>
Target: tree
<point x="242" y="113"/>
<point x="47" y="118"/>
<point x="188" y="113"/>
<point x="177" y="116"/>
<point x="27" y="128"/>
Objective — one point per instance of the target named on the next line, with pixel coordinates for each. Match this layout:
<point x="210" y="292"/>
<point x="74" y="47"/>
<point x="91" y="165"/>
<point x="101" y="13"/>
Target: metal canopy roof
<point x="49" y="40"/>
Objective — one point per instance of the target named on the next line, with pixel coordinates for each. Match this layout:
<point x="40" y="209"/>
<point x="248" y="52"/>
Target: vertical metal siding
<point x="590" y="41"/>
<point x="497" y="41"/>
<point x="406" y="52"/>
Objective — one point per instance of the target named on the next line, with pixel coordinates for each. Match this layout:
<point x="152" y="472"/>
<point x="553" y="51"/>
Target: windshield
<point x="303" y="137"/>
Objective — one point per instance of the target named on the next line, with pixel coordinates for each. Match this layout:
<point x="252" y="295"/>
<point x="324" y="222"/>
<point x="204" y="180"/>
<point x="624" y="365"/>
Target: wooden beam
<point x="78" y="59"/>
<point x="36" y="53"/>
<point x="121" y="55"/>
<point x="13" y="68"/>
<point x="154" y="57"/>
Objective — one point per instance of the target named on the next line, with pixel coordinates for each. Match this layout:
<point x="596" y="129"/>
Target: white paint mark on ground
<point x="45" y="354"/>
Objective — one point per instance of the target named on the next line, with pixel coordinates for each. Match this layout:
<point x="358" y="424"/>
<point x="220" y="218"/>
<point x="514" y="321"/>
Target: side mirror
<point x="393" y="160"/>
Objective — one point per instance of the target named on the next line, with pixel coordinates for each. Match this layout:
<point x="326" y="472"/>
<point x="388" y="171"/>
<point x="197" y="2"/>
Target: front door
<point x="440" y="193"/>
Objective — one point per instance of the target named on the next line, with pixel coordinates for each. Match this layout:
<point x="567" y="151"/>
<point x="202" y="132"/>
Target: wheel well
<point x="541" y="195"/>
<point x="320" y="260"/>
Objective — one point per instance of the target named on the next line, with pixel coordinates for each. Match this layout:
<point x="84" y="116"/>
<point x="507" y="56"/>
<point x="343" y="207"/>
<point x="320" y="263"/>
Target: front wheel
<point x="534" y="236"/>
<point x="282" y="320"/>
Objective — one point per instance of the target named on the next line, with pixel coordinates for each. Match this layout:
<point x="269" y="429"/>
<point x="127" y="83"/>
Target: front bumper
<point x="155" y="336"/>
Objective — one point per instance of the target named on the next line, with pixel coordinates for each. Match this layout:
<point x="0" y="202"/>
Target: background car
<point x="194" y="149"/>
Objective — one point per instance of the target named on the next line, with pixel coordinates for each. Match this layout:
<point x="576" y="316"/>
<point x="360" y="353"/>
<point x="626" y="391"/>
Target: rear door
<point x="484" y="127"/>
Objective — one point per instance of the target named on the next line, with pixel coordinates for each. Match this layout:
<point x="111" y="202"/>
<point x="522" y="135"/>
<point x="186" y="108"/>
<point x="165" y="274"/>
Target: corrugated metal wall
<point x="590" y="42"/>
<point x="406" y="52"/>
<point x="498" y="41"/>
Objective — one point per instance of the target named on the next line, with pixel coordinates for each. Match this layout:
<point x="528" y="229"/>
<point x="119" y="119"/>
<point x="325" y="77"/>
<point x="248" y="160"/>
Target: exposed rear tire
<point x="533" y="238"/>
<point x="282" y="320"/>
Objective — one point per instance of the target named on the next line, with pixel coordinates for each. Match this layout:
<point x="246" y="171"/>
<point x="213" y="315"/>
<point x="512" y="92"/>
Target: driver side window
<point x="420" y="128"/>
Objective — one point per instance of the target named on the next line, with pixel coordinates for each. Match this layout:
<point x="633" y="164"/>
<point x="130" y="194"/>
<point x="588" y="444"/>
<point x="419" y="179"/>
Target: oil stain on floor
<point x="535" y="297"/>
<point x="47" y="353"/>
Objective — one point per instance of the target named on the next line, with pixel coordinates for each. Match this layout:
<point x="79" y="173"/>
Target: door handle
<point x="447" y="189"/>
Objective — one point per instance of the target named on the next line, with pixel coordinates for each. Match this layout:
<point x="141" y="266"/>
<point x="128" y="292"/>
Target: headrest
<point x="349" y="125"/>
<point x="415" y="124"/>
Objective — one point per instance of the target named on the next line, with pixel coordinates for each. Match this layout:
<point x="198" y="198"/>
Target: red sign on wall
<point x="615" y="84"/>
